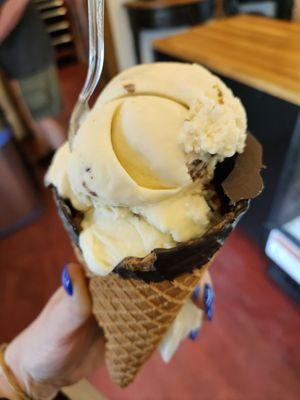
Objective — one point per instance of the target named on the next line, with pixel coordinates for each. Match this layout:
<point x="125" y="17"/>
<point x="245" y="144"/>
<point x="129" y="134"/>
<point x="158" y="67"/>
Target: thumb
<point x="76" y="287"/>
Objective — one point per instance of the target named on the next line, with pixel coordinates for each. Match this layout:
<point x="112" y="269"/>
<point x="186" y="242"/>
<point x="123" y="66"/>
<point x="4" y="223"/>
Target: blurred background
<point x="251" y="349"/>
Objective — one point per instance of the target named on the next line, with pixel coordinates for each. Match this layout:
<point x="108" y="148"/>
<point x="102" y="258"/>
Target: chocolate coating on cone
<point x="162" y="264"/>
<point x="236" y="180"/>
<point x="245" y="181"/>
<point x="70" y="217"/>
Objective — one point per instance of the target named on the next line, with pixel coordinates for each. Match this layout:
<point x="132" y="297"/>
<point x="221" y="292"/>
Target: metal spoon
<point x="95" y="68"/>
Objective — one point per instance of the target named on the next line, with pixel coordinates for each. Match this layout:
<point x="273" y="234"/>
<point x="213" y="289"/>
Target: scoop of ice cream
<point x="143" y="140"/>
<point x="111" y="233"/>
<point x="57" y="176"/>
<point x="211" y="129"/>
<point x="128" y="170"/>
<point x="134" y="145"/>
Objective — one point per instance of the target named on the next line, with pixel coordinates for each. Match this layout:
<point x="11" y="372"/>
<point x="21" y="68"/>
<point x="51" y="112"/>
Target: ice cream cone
<point x="158" y="176"/>
<point x="135" y="316"/>
<point x="136" y="303"/>
<point x="135" y="311"/>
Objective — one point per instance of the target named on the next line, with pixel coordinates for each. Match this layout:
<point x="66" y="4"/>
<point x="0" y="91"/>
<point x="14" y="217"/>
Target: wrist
<point x="14" y="364"/>
<point x="9" y="384"/>
<point x="19" y="364"/>
<point x="6" y="390"/>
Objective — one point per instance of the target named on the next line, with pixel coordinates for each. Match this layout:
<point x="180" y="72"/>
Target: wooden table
<point x="259" y="52"/>
<point x="259" y="59"/>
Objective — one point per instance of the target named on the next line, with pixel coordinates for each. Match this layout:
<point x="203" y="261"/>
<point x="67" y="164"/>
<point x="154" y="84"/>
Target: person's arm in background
<point x="10" y="14"/>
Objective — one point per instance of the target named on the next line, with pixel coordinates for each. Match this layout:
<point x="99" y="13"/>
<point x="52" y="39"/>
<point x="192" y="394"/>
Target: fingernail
<point x="196" y="292"/>
<point x="208" y="298"/>
<point x="193" y="335"/>
<point x="66" y="281"/>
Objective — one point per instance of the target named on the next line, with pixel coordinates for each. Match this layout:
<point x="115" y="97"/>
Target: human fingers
<point x="203" y="296"/>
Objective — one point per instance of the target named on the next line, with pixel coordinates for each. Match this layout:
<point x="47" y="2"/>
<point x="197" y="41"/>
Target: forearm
<point x="10" y="14"/>
<point x="17" y="377"/>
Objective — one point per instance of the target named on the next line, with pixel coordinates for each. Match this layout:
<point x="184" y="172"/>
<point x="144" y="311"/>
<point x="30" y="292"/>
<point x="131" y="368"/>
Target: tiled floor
<point x="249" y="352"/>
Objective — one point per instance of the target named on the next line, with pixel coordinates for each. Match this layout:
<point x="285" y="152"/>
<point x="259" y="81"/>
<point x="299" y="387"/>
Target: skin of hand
<point x="64" y="344"/>
<point x="204" y="299"/>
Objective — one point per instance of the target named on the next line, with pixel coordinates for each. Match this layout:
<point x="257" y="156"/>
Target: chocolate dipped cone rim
<point x="245" y="181"/>
<point x="237" y="180"/>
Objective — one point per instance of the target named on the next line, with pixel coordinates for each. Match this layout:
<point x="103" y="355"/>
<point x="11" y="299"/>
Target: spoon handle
<point x="96" y="48"/>
<point x="95" y="67"/>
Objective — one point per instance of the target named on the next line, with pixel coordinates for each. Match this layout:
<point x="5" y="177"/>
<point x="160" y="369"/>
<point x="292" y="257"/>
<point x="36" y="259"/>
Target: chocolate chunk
<point x="245" y="181"/>
<point x="130" y="87"/>
<point x="91" y="192"/>
<point x="197" y="170"/>
<point x="70" y="217"/>
<point x="220" y="94"/>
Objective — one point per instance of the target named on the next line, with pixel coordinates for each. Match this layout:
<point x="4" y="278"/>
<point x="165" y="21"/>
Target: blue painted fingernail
<point x="208" y="297"/>
<point x="196" y="292"/>
<point x="193" y="334"/>
<point x="66" y="281"/>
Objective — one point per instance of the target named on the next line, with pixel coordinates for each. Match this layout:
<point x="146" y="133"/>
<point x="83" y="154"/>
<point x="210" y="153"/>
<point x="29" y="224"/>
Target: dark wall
<point x="284" y="7"/>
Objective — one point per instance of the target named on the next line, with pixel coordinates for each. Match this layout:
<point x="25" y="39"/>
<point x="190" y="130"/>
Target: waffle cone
<point x="135" y="316"/>
<point x="137" y="302"/>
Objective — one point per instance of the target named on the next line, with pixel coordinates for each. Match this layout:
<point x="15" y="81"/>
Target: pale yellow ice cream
<point x="128" y="171"/>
